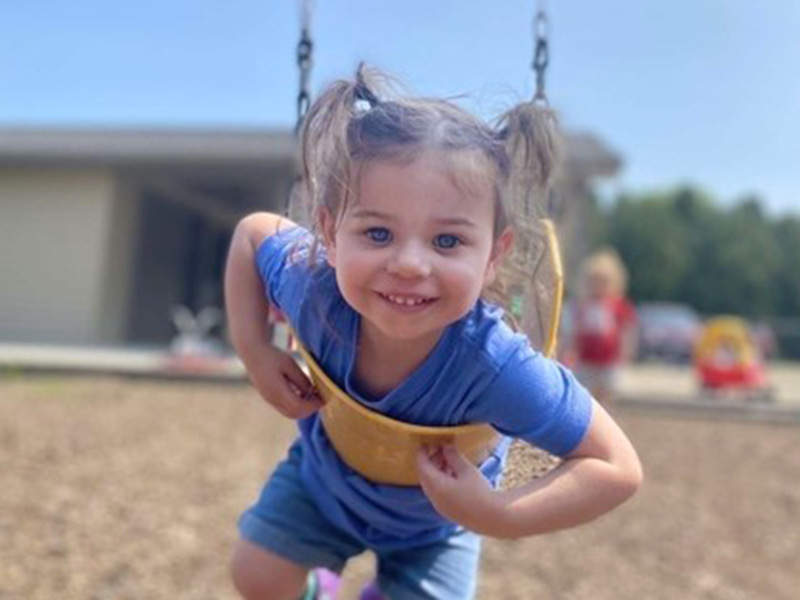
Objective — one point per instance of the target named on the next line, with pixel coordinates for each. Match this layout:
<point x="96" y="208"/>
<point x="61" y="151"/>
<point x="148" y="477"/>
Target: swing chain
<point x="304" y="63"/>
<point x="541" y="56"/>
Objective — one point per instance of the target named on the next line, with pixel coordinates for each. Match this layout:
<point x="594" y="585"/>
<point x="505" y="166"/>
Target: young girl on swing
<point x="408" y="203"/>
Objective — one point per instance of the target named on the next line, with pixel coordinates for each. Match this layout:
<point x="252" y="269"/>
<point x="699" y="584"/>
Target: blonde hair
<point x="363" y="119"/>
<point x="606" y="263"/>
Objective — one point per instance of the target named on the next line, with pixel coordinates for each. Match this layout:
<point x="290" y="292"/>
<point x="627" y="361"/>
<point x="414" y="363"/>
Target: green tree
<point x="736" y="261"/>
<point x="787" y="279"/>
<point x="652" y="241"/>
<point x="681" y="246"/>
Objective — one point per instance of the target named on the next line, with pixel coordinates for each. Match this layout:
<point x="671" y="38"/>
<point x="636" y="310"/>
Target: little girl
<point x="605" y="324"/>
<point x="408" y="200"/>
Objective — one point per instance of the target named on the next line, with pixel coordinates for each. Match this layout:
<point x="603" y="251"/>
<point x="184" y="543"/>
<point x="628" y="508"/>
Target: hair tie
<point x="362" y="91"/>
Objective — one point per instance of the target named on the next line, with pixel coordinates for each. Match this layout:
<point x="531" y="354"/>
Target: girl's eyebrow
<point x="456" y="221"/>
<point x="367" y="213"/>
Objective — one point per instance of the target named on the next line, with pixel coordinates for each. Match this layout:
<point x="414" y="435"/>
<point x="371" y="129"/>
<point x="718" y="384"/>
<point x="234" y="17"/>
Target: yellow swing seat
<point x="384" y="450"/>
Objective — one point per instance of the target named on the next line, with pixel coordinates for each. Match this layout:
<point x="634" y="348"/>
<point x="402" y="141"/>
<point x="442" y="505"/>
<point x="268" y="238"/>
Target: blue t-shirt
<point x="480" y="371"/>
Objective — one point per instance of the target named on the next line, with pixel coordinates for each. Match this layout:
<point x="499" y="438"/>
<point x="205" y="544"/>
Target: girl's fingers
<point x="299" y="380"/>
<point x="298" y="402"/>
<point x="293" y="387"/>
<point x="440" y="460"/>
<point x="307" y="395"/>
<point x="431" y="461"/>
<point x="440" y="457"/>
<point x="456" y="462"/>
<point x="284" y="386"/>
<point x="428" y="472"/>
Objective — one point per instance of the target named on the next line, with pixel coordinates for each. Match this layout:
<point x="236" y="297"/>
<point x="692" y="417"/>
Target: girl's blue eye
<point x="446" y="241"/>
<point x="379" y="235"/>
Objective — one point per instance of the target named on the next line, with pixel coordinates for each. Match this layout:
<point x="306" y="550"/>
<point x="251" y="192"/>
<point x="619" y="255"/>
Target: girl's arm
<point x="272" y="372"/>
<point x="600" y="474"/>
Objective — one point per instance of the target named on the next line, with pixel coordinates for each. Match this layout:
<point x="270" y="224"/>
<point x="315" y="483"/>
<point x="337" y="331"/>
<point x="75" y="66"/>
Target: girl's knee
<point x="259" y="574"/>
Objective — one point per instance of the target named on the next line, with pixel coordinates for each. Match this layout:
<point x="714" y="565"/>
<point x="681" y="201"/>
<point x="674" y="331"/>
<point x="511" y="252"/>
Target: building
<point x="104" y="231"/>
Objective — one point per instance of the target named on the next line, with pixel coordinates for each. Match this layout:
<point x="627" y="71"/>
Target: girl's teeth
<point x="405" y="301"/>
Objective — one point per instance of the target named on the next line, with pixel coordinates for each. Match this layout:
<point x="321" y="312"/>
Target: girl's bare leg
<point x="259" y="574"/>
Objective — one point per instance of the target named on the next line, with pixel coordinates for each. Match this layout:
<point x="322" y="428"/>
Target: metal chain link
<point x="305" y="49"/>
<point x="541" y="56"/>
<point x="296" y="207"/>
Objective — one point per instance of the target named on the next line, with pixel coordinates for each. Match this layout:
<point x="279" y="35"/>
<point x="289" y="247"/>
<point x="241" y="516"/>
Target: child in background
<point x="605" y="324"/>
<point x="408" y="198"/>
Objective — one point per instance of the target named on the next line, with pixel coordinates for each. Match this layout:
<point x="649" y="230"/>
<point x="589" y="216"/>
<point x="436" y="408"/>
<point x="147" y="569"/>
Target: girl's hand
<point x="280" y="381"/>
<point x="457" y="488"/>
<point x="273" y="373"/>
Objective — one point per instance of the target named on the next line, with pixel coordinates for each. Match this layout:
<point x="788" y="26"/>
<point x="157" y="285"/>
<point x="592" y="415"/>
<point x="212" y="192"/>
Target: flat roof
<point x="35" y="145"/>
<point x="585" y="152"/>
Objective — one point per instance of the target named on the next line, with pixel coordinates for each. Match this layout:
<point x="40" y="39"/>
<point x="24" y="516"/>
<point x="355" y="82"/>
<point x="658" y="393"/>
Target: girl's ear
<point x="328" y="229"/>
<point x="501" y="249"/>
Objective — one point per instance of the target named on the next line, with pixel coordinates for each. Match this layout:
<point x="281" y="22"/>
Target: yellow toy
<point x="727" y="359"/>
<point x="384" y="450"/>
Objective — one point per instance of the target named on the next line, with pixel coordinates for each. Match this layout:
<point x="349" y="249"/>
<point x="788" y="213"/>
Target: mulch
<point x="115" y="489"/>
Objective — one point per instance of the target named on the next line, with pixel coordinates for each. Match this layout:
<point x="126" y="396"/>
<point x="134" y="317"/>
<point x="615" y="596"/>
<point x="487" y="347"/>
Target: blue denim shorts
<point x="285" y="520"/>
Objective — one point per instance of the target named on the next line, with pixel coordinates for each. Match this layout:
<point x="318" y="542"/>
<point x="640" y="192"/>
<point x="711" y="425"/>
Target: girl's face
<point x="600" y="285"/>
<point x="413" y="252"/>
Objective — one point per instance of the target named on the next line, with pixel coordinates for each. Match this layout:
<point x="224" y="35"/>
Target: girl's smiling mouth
<point x="406" y="302"/>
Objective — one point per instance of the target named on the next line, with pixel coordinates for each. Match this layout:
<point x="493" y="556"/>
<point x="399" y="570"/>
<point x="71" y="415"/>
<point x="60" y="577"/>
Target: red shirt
<point x="599" y="328"/>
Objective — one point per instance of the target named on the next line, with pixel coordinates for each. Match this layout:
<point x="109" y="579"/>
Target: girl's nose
<point x="410" y="261"/>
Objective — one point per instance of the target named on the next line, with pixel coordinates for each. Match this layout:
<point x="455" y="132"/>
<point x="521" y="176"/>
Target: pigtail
<point x="323" y="144"/>
<point x="326" y="140"/>
<point x="526" y="285"/>
<point x="530" y="135"/>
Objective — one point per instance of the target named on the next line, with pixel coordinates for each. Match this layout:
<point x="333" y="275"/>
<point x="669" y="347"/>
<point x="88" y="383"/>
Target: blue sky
<point x="703" y="92"/>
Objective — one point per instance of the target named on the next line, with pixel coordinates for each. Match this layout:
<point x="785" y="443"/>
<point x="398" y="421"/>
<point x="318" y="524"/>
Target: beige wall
<point x="55" y="231"/>
<point x="117" y="279"/>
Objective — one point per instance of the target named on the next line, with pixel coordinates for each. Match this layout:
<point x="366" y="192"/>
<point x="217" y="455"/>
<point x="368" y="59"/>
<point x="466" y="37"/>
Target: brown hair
<point x="355" y="121"/>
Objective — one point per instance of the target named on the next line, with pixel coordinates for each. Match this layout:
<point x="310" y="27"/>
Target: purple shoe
<point x="328" y="584"/>
<point x="371" y="592"/>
